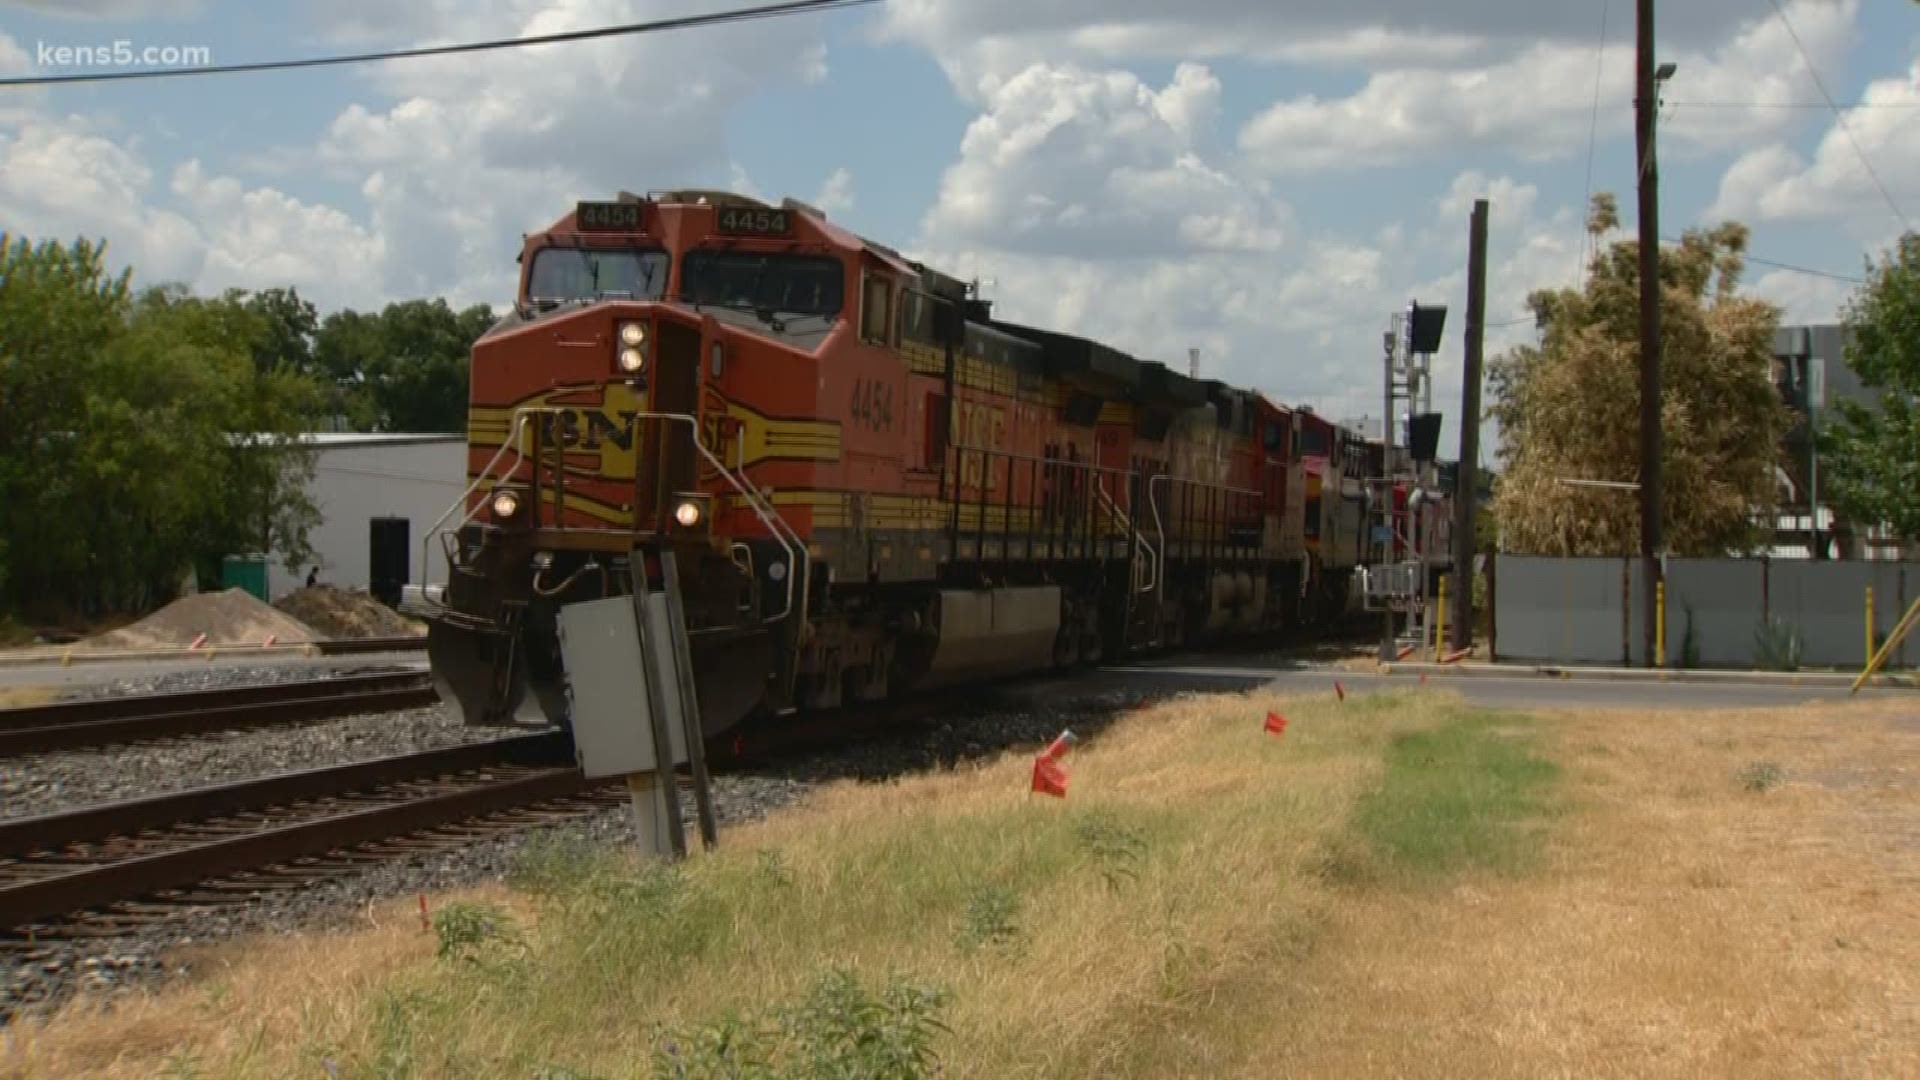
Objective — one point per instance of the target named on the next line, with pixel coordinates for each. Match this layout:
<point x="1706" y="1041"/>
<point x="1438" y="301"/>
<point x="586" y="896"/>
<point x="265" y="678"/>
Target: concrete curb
<point x="1753" y="678"/>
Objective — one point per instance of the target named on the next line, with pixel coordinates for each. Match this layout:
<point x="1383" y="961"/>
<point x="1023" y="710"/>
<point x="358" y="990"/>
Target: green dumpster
<point x="247" y="572"/>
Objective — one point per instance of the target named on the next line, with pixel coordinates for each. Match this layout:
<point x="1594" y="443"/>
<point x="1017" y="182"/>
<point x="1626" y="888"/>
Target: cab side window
<point x="876" y="315"/>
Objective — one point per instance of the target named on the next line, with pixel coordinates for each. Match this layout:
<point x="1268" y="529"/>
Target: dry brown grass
<point x="1102" y="980"/>
<point x="1687" y="926"/>
<point x="1682" y="924"/>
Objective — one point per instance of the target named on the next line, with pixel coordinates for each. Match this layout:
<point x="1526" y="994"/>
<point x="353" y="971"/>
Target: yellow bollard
<point x="1900" y="631"/>
<point x="1659" y="624"/>
<point x="1869" y="624"/>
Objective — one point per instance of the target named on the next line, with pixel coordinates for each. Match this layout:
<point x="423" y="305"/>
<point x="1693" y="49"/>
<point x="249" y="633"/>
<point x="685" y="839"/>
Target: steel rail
<point x="101" y="721"/>
<point x="161" y="860"/>
<point x="357" y="646"/>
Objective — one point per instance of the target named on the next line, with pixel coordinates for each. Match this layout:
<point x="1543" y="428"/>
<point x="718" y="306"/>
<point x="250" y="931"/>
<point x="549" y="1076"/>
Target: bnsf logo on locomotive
<point x="589" y="429"/>
<point x="979" y="426"/>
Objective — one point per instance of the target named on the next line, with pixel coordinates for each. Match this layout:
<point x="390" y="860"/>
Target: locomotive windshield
<point x="781" y="284"/>
<point x="563" y="274"/>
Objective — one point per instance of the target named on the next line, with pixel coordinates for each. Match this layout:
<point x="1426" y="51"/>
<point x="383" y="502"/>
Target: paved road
<point x="1195" y="673"/>
<point x="1518" y="691"/>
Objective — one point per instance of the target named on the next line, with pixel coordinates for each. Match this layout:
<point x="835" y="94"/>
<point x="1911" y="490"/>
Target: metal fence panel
<point x="1721" y="601"/>
<point x="1895" y="585"/>
<point x="1826" y="603"/>
<point x="1560" y="610"/>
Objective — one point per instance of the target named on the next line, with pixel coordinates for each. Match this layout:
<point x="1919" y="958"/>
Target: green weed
<point x="1116" y="849"/>
<point x="1761" y="776"/>
<point x="1777" y="645"/>
<point x="990" y="919"/>
<point x="1454" y="798"/>
<point x="837" y="1032"/>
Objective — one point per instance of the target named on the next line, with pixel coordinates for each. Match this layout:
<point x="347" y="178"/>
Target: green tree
<point x="286" y="341"/>
<point x="1870" y="458"/>
<point x="404" y="369"/>
<point x="1569" y="407"/>
<point x="143" y="436"/>
<point x="58" y="307"/>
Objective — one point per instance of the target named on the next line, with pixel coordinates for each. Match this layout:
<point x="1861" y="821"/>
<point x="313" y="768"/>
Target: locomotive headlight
<point x="506" y="503"/>
<point x="687" y="514"/>
<point x="633" y="348"/>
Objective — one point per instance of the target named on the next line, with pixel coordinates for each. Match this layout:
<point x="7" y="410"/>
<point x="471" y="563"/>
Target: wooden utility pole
<point x="1467" y="480"/>
<point x="1646" y="103"/>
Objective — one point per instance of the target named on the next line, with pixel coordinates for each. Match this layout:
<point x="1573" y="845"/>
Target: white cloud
<point x="1774" y="183"/>
<point x="1803" y="298"/>
<point x="836" y="194"/>
<point x="1539" y="104"/>
<point x="1098" y="163"/>
<point x="470" y="155"/>
<point x="112" y="9"/>
<point x="62" y="181"/>
<point x="981" y="43"/>
<point x="452" y="159"/>
<point x="1368" y="29"/>
<point x="1085" y="196"/>
<point x="262" y="235"/>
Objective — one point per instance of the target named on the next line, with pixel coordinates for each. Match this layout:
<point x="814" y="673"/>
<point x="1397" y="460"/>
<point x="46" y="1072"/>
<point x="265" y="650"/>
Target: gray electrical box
<point x="607" y="684"/>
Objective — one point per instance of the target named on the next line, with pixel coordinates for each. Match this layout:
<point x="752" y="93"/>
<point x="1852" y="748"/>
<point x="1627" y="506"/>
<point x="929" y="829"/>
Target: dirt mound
<point x="339" y="613"/>
<point x="232" y="617"/>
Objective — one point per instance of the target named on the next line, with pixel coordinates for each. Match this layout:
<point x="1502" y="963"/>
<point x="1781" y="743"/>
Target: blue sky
<point x="1264" y="179"/>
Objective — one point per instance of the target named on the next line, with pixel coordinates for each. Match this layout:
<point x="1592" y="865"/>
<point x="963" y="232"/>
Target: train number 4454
<point x="873" y="404"/>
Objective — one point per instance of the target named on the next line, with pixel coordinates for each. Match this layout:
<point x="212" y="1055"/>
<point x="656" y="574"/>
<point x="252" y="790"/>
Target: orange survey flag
<point x="1276" y="724"/>
<point x="1048" y="777"/>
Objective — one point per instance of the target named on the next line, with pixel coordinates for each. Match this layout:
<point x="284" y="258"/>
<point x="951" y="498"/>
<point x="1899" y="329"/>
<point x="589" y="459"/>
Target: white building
<point x="379" y="497"/>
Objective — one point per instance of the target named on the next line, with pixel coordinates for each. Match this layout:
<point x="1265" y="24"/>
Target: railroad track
<point x="98" y="871"/>
<point x="101" y="871"/>
<point x="67" y="725"/>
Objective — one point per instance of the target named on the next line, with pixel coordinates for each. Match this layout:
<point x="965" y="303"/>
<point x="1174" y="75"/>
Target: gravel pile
<point x="976" y="728"/>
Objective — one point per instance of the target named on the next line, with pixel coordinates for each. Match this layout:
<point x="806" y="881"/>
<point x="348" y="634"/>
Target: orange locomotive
<point x="869" y="484"/>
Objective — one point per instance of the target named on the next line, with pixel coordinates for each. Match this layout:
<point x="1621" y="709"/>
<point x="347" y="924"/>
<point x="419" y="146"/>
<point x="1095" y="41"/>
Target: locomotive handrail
<point x="1086" y="466"/>
<point x="796" y="550"/>
<point x="1139" y="539"/>
<point x="1153" y="503"/>
<point x="1080" y="470"/>
<point x="794" y="547"/>
<point x="486" y="471"/>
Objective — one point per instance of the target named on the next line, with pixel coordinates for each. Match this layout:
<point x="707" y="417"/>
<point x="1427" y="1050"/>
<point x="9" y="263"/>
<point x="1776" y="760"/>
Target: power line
<point x="654" y="26"/>
<point x="1803" y="269"/>
<point x="1838" y="116"/>
<point x="1778" y="265"/>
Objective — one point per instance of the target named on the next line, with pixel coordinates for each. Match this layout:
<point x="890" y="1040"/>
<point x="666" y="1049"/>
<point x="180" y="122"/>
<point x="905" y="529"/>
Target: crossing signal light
<point x="1424" y="327"/>
<point x="1423" y="436"/>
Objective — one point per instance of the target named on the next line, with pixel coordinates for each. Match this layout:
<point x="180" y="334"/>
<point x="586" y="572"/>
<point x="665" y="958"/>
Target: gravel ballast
<point x="149" y="955"/>
<point x="215" y="677"/>
<point x="70" y="779"/>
